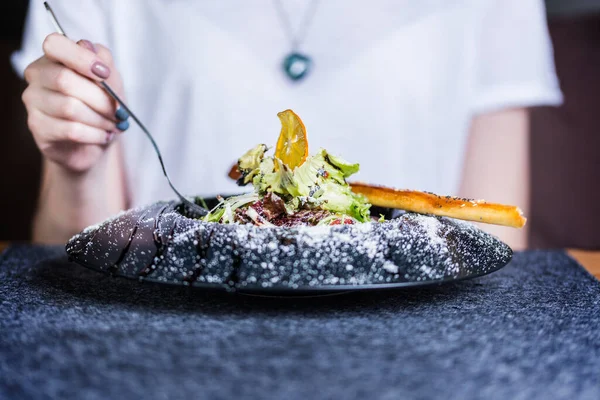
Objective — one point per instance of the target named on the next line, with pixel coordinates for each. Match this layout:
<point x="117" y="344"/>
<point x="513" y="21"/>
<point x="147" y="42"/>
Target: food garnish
<point x="292" y="145"/>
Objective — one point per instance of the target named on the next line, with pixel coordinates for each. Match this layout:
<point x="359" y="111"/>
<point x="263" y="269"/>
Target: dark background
<point x="565" y="140"/>
<point x="19" y="158"/>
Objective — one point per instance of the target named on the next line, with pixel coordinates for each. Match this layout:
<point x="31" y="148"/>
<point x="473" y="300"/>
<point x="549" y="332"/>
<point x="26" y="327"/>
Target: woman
<point x="427" y="95"/>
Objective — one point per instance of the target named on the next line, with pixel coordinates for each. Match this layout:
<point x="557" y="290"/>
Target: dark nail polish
<point x="88" y="45"/>
<point x="123" y="126"/>
<point x="100" y="70"/>
<point x="121" y="114"/>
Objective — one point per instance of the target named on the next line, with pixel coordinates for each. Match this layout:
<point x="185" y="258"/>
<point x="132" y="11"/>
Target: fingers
<point x="64" y="92"/>
<point x="81" y="59"/>
<point x="60" y="106"/>
<point x="89" y="45"/>
<point x="47" y="129"/>
<point x="58" y="78"/>
<point x="71" y="117"/>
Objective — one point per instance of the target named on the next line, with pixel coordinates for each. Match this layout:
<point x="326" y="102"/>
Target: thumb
<point x="115" y="81"/>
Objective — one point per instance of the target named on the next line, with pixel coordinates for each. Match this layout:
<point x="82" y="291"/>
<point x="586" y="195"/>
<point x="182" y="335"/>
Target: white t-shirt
<point x="394" y="85"/>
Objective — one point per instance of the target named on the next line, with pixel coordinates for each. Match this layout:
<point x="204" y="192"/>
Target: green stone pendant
<point x="296" y="66"/>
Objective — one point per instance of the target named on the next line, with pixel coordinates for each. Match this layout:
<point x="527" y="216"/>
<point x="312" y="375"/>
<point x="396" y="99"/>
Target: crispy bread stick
<point x="446" y="206"/>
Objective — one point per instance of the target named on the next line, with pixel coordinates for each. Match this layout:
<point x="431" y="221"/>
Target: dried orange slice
<point x="292" y="145"/>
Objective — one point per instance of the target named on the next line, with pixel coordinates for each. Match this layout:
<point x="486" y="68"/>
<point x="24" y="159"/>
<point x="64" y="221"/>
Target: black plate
<point x="163" y="244"/>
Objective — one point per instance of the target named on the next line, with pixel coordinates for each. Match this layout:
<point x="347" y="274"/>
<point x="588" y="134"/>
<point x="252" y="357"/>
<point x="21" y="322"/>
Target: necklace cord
<point x="308" y="17"/>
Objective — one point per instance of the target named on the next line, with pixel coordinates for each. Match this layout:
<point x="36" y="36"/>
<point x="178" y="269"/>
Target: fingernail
<point x="109" y="136"/>
<point x="121" y="114"/>
<point x="100" y="70"/>
<point x="88" y="45"/>
<point x="123" y="126"/>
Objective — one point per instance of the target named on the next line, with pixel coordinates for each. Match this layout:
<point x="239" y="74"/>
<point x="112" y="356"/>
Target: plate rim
<point x="288" y="291"/>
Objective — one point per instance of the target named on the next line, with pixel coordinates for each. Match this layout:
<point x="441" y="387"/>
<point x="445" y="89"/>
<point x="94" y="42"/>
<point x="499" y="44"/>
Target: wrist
<point x="75" y="174"/>
<point x="71" y="200"/>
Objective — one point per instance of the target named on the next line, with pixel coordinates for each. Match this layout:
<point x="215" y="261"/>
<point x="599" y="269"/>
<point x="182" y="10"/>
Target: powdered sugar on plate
<point x="165" y="246"/>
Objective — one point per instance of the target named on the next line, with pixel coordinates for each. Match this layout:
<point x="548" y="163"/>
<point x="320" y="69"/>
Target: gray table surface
<point x="528" y="331"/>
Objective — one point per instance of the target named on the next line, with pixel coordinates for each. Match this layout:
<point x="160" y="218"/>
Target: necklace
<point x="296" y="65"/>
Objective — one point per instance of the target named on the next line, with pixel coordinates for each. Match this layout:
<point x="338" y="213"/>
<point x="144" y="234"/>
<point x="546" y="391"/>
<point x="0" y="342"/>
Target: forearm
<point x="497" y="166"/>
<point x="70" y="201"/>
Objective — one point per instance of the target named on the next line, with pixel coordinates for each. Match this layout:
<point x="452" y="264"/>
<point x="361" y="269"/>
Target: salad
<point x="291" y="188"/>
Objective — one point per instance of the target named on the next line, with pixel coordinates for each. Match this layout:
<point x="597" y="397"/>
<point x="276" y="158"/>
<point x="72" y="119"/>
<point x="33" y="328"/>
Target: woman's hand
<point x="73" y="121"/>
<point x="71" y="117"/>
